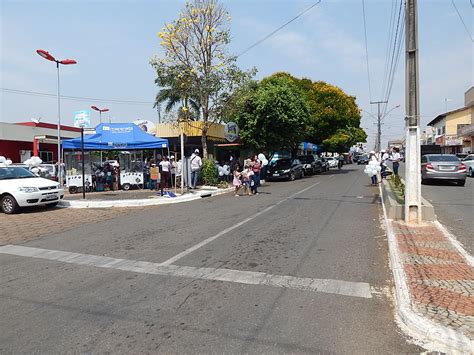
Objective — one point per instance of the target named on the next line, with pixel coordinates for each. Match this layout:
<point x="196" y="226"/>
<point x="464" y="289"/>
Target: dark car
<point x="311" y="164"/>
<point x="442" y="167"/>
<point x="285" y="169"/>
<point x="363" y="159"/>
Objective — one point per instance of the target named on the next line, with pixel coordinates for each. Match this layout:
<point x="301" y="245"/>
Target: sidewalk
<point x="134" y="198"/>
<point x="434" y="280"/>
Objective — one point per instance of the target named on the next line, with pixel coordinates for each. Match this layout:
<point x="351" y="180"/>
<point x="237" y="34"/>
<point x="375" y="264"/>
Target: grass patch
<point x="398" y="188"/>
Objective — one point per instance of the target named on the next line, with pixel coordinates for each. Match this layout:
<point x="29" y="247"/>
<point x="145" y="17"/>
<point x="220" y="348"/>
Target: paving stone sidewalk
<point x="439" y="278"/>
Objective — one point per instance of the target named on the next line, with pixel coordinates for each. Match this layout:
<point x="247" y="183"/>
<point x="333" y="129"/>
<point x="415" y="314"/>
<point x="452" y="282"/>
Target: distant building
<point x="18" y="140"/>
<point x="448" y="125"/>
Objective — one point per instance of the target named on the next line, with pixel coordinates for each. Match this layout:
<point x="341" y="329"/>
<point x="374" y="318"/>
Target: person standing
<point x="256" y="168"/>
<point x="372" y="165"/>
<point x="396" y="160"/>
<point x="383" y="164"/>
<point x="264" y="167"/>
<point x="172" y="170"/>
<point x="165" y="172"/>
<point x="196" y="164"/>
<point x="236" y="181"/>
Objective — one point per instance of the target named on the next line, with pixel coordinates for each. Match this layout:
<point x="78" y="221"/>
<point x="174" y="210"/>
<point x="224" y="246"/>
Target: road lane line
<point x="339" y="287"/>
<point x="231" y="228"/>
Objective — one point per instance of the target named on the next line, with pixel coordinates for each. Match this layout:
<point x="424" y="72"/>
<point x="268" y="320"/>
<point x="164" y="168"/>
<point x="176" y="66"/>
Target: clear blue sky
<point x="113" y="42"/>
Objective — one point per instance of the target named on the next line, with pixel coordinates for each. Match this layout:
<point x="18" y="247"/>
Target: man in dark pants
<point x="395" y="160"/>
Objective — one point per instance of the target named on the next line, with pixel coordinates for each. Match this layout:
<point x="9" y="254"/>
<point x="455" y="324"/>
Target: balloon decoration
<point x="33" y="162"/>
<point x="373" y="168"/>
<point x="4" y="161"/>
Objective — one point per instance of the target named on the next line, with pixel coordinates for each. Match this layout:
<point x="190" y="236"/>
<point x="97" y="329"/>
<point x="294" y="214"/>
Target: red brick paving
<point x="454" y="305"/>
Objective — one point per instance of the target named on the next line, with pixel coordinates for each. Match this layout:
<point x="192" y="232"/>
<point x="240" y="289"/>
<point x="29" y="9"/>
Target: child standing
<point x="246" y="177"/>
<point x="236" y="181"/>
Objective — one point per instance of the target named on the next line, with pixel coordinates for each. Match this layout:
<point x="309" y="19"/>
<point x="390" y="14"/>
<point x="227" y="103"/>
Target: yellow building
<point x="446" y="127"/>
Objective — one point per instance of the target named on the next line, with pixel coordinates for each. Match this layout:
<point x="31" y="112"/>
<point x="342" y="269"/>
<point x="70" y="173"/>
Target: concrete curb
<point x="396" y="210"/>
<point x="143" y="202"/>
<point x="434" y="337"/>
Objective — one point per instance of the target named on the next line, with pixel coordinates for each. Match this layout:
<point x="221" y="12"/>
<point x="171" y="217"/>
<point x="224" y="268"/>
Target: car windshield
<point x="15" y="172"/>
<point x="443" y="158"/>
<point x="281" y="164"/>
<point x="306" y="159"/>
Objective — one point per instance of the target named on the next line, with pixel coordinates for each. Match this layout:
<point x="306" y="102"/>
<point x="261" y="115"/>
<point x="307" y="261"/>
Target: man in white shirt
<point x="196" y="164"/>
<point x="395" y="160"/>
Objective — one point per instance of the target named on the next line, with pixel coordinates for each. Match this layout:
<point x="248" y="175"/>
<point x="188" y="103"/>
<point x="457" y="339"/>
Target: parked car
<point x="469" y="162"/>
<point x="363" y="159"/>
<point x="324" y="164"/>
<point x="285" y="169"/>
<point x="332" y="162"/>
<point x="442" y="167"/>
<point x="21" y="188"/>
<point x="311" y="164"/>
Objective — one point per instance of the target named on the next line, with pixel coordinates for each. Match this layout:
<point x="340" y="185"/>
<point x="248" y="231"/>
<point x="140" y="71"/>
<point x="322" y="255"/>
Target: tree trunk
<point x="204" y="140"/>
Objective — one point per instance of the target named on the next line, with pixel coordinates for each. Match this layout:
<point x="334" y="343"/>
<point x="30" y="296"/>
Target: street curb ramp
<point x="435" y="337"/>
<point x="142" y="202"/>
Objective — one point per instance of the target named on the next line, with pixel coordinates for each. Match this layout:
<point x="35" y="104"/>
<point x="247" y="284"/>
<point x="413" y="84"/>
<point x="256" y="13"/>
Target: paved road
<point x="454" y="208"/>
<point x="300" y="268"/>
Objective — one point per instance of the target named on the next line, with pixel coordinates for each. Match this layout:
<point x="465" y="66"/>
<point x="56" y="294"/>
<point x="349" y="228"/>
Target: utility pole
<point x="412" y="103"/>
<point x="378" y="141"/>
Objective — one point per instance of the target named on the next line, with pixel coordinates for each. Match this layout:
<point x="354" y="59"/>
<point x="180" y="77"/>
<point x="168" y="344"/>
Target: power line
<point x="366" y="50"/>
<point x="76" y="98"/>
<point x="462" y="20"/>
<point x="278" y="29"/>
<point x="391" y="29"/>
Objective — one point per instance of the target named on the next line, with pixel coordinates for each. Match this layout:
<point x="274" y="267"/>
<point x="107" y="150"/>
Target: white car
<point x="469" y="162"/>
<point x="332" y="162"/>
<point x="21" y="188"/>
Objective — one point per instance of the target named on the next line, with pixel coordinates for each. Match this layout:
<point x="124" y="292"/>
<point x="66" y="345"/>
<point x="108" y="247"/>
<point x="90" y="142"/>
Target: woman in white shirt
<point x="165" y="172"/>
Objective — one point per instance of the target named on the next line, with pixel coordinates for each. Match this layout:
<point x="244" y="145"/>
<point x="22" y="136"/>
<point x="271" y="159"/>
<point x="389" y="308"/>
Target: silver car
<point x="442" y="167"/>
<point x="469" y="162"/>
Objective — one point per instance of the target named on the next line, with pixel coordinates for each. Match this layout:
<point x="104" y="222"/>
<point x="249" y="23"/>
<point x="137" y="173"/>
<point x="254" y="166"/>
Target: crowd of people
<point x="249" y="177"/>
<point x="378" y="165"/>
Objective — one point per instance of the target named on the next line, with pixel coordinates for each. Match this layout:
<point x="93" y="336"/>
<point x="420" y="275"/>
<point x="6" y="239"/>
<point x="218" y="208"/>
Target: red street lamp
<point x="47" y="56"/>
<point x="100" y="111"/>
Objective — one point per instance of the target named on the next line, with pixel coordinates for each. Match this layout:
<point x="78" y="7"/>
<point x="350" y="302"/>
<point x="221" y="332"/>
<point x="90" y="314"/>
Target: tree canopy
<point x="281" y="111"/>
<point x="271" y="114"/>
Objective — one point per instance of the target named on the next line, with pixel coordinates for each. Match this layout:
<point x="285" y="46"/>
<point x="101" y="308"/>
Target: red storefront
<point x="17" y="140"/>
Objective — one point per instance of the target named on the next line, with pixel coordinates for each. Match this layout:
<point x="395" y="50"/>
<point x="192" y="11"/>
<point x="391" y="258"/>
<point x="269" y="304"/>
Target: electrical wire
<point x="391" y="28"/>
<point x="278" y="29"/>
<point x="462" y="20"/>
<point x="366" y="50"/>
<point x="394" y="56"/>
<point x="76" y="98"/>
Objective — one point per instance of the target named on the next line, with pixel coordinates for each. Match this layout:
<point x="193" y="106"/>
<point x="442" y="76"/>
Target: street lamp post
<point x="100" y="111"/>
<point x="49" y="57"/>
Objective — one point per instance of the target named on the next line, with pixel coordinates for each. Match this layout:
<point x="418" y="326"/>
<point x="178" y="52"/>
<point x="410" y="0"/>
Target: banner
<point x="82" y="119"/>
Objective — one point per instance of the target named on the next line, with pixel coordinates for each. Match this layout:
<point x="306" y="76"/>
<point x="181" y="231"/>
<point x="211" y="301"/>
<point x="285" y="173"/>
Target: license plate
<point x="51" y="197"/>
<point x="446" y="168"/>
<point x="276" y="174"/>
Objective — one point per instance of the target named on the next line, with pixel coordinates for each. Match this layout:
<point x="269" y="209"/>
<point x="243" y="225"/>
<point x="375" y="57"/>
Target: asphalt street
<point x="454" y="207"/>
<point x="301" y="268"/>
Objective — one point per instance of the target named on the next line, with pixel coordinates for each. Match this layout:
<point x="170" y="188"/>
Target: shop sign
<point x="452" y="140"/>
<point x="439" y="140"/>
<point x="231" y="131"/>
<point x="82" y="119"/>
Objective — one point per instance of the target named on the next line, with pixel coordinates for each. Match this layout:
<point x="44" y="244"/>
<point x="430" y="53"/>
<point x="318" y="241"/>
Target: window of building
<point x="444" y="129"/>
<point x="46" y="156"/>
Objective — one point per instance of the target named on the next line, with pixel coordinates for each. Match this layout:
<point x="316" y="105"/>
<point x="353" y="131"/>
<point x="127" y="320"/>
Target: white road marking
<point x="339" y="287"/>
<point x="231" y="228"/>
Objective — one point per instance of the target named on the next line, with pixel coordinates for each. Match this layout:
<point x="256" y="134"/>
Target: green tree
<point x="271" y="114"/>
<point x="196" y="63"/>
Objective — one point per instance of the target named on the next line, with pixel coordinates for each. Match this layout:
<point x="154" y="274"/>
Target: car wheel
<point x="470" y="173"/>
<point x="462" y="182"/>
<point x="72" y="189"/>
<point x="292" y="177"/>
<point x="9" y="205"/>
<point x="126" y="187"/>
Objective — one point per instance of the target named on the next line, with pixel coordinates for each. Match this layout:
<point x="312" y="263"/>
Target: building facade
<point x="19" y="141"/>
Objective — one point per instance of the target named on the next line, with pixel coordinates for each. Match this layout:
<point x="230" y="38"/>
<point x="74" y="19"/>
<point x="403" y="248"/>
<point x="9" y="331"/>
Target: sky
<point x="113" y="41"/>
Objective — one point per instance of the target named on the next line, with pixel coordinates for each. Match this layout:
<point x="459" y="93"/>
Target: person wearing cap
<point x="196" y="164"/>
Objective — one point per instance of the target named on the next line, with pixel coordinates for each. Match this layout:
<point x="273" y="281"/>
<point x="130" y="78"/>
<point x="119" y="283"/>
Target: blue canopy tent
<point x="117" y="136"/>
